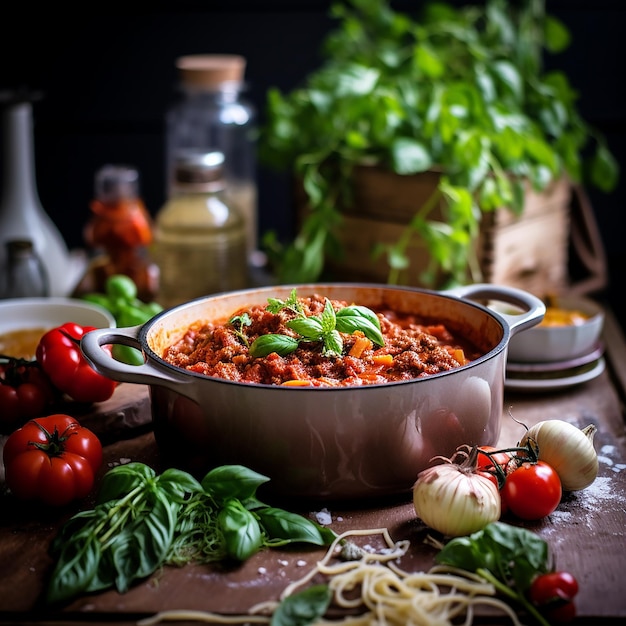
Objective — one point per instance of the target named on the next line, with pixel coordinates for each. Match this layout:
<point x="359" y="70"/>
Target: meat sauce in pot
<point x="413" y="348"/>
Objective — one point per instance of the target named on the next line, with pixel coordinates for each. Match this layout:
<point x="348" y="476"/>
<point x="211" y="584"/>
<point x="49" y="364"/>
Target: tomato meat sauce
<point x="413" y="348"/>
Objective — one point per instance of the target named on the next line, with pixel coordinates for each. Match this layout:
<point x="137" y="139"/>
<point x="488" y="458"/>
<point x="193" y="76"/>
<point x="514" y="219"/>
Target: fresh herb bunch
<point x="143" y="521"/>
<point x="507" y="556"/>
<point x="460" y="91"/>
<point x="325" y="328"/>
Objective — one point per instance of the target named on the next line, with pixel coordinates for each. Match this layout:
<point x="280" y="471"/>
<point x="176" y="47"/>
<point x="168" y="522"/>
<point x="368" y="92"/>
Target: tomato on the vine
<point x="494" y="456"/>
<point x="532" y="491"/>
<point x="52" y="459"/>
<point x="487" y="456"/>
<point x="553" y="594"/>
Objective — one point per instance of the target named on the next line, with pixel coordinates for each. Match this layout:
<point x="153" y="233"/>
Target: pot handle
<point x="533" y="308"/>
<point x="102" y="361"/>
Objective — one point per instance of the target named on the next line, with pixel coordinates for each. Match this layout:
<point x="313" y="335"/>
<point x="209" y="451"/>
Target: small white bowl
<point x="545" y="344"/>
<point x="46" y="313"/>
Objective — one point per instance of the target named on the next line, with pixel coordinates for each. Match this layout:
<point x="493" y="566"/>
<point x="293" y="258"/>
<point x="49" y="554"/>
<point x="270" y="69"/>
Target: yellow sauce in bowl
<point x="21" y="344"/>
<point x="563" y="317"/>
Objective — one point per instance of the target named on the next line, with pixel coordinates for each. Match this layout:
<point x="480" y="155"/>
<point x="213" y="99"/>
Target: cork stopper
<point x="207" y="70"/>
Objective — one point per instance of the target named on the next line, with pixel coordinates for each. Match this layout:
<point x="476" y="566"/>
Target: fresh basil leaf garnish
<point x="361" y="318"/>
<point x="310" y="328"/>
<point x="333" y="344"/>
<point x="329" y="317"/>
<point x="266" y="344"/>
<point x="325" y="328"/>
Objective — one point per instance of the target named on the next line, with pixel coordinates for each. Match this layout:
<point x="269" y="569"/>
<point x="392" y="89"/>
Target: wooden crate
<point x="529" y="251"/>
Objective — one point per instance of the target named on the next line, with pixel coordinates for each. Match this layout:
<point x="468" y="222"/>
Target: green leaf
<point x="511" y="554"/>
<point x="232" y="481"/>
<point x="490" y="198"/>
<point x="275" y="305"/>
<point x="356" y="317"/>
<point x="509" y="76"/>
<point x="329" y="317"/>
<point x="311" y="328"/>
<point x="241" y="530"/>
<point x="178" y="485"/>
<point x="290" y="527"/>
<point x="557" y="36"/>
<point x="428" y="61"/>
<point x="140" y="549"/>
<point x="303" y="608"/>
<point x="604" y="170"/>
<point x="75" y="568"/>
<point x="121" y="480"/>
<point x="333" y="344"/>
<point x="541" y="151"/>
<point x="410" y="156"/>
<point x="266" y="344"/>
<point x="356" y="80"/>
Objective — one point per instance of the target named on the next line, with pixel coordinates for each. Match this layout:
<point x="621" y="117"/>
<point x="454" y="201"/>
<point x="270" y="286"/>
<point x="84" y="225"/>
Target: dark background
<point x="107" y="76"/>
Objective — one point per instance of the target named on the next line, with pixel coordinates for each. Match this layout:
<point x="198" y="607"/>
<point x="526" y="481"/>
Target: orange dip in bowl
<point x="563" y="317"/>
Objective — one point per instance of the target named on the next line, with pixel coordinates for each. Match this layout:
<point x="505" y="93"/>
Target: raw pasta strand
<point x="388" y="595"/>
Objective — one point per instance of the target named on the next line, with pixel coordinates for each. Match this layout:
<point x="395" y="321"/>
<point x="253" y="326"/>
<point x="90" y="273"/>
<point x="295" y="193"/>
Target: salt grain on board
<point x="600" y="489"/>
<point x="323" y="517"/>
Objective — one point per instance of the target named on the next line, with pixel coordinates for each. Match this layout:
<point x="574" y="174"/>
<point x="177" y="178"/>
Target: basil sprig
<point x="325" y="328"/>
<point x="506" y="556"/>
<point x="143" y="521"/>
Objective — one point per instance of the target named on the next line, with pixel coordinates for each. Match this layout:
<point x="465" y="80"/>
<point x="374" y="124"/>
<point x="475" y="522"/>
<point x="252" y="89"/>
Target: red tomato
<point x="60" y="357"/>
<point x="52" y="459"/>
<point x="501" y="458"/>
<point x="486" y="468"/>
<point x="532" y="491"/>
<point x="25" y="392"/>
<point x="10" y="403"/>
<point x="553" y="594"/>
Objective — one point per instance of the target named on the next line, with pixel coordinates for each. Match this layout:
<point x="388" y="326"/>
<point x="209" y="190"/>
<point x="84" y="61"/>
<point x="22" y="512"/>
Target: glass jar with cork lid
<point x="210" y="114"/>
<point x="200" y="234"/>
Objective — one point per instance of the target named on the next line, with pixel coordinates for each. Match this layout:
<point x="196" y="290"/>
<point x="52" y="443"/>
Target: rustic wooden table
<point x="585" y="534"/>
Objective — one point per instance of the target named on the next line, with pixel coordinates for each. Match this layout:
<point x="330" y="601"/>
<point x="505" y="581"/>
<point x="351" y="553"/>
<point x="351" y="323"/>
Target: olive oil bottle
<point x="200" y="235"/>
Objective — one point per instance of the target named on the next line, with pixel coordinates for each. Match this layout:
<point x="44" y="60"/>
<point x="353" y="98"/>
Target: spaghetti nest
<point x="373" y="584"/>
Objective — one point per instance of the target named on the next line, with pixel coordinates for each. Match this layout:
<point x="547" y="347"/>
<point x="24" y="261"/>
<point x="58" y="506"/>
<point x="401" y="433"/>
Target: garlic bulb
<point x="455" y="501"/>
<point x="568" y="450"/>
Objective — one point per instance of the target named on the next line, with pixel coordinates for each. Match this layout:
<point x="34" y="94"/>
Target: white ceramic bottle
<point x="22" y="217"/>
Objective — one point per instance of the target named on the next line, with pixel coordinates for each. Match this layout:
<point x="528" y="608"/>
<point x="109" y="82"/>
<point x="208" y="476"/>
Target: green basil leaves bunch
<point x="143" y="521"/>
<point x="325" y="328"/>
<point x="506" y="556"/>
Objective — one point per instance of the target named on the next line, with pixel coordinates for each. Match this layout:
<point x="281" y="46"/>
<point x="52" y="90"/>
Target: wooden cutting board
<point x="126" y="411"/>
<point x="124" y="415"/>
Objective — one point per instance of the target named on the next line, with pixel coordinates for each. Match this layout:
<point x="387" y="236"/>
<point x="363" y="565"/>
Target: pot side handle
<point x="102" y="361"/>
<point x="532" y="308"/>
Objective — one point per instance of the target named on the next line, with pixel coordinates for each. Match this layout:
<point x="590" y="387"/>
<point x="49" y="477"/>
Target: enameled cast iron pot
<point x="326" y="443"/>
